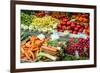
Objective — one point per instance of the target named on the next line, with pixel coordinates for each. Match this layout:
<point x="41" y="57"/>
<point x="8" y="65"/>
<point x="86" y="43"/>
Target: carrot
<point x="36" y="52"/>
<point x="33" y="46"/>
<point x="33" y="38"/>
<point x="24" y="58"/>
<point x="49" y="48"/>
<point x="22" y="50"/>
<point x="22" y="46"/>
<point x="30" y="49"/>
<point x="22" y="55"/>
<point x="33" y="57"/>
<point x="28" y="57"/>
<point x="38" y="42"/>
<point x="35" y="49"/>
<point x="29" y="53"/>
<point x="28" y="44"/>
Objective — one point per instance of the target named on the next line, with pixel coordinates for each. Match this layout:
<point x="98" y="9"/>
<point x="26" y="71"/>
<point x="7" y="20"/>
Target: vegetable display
<point x="54" y="36"/>
<point x="79" y="45"/>
<point x="46" y="23"/>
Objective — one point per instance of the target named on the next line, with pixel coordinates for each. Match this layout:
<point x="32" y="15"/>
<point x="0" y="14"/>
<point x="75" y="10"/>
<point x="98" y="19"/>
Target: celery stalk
<point x="47" y="55"/>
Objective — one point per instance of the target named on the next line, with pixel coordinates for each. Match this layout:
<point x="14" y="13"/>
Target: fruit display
<point x="54" y="36"/>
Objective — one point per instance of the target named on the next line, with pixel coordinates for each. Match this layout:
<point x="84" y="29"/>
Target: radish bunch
<point x="78" y="44"/>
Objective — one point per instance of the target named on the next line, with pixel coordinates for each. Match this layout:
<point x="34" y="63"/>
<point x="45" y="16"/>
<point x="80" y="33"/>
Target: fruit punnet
<point x="78" y="44"/>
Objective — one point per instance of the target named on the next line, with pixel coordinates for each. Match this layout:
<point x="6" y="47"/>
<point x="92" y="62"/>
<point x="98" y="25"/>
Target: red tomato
<point x="75" y="32"/>
<point x="60" y="30"/>
<point x="72" y="25"/>
<point x="76" y="28"/>
<point x="68" y="23"/>
<point x="70" y="31"/>
<point x="65" y="19"/>
<point x="86" y="26"/>
<point x="68" y="27"/>
<point x="59" y="25"/>
<point x="62" y="22"/>
<point x="81" y="30"/>
<point x="64" y="27"/>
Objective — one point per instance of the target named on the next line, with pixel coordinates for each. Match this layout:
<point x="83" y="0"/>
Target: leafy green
<point x="24" y="35"/>
<point x="75" y="40"/>
<point x="69" y="57"/>
<point x="53" y="43"/>
<point x="26" y="19"/>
